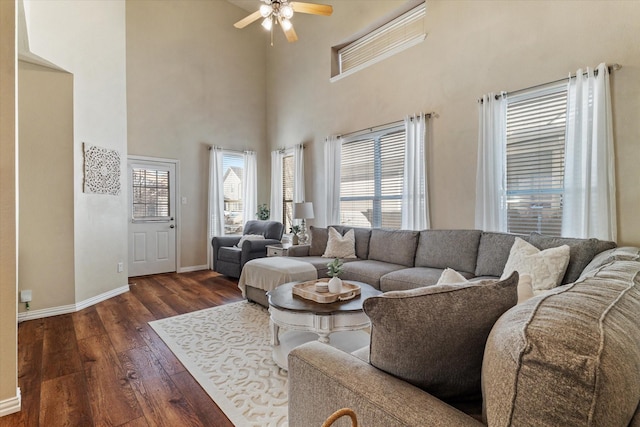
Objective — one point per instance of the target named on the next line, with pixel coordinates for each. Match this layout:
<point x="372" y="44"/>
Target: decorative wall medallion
<point x="101" y="170"/>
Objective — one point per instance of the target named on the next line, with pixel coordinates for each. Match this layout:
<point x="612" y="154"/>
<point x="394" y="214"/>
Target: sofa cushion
<point x="393" y="246"/>
<point x="368" y="271"/>
<point x="230" y="254"/>
<point x="320" y="263"/>
<point x="319" y="237"/>
<point x="339" y="246"/>
<point x="269" y="229"/>
<point x="568" y="358"/>
<point x="546" y="267"/>
<point x="493" y="252"/>
<point x="581" y="252"/>
<point x="457" y="249"/>
<point x="411" y="278"/>
<point x="434" y="337"/>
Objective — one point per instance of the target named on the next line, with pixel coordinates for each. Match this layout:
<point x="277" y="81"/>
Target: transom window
<point x="536" y="131"/>
<point x="371" y="178"/>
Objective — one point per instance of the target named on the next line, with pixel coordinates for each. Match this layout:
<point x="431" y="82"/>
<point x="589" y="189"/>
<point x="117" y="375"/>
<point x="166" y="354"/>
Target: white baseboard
<point x="193" y="268"/>
<point x="71" y="308"/>
<point x="11" y="405"/>
<point x="102" y="297"/>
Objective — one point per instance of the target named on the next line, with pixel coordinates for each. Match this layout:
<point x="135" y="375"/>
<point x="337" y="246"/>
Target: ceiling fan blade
<point x="314" y="9"/>
<point x="248" y="20"/>
<point x="290" y="33"/>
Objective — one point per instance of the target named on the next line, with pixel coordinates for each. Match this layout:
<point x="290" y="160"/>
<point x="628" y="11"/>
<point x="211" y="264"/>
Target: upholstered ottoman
<point x="264" y="274"/>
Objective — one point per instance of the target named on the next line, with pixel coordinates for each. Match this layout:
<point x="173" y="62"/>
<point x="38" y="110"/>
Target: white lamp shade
<point x="303" y="210"/>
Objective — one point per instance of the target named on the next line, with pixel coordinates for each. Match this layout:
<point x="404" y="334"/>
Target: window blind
<point x="287" y="192"/>
<point x="371" y="179"/>
<point x="150" y="193"/>
<point x="536" y="123"/>
<point x="399" y="34"/>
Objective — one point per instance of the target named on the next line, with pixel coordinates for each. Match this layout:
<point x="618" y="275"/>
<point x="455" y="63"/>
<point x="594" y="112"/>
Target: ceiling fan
<point x="279" y="12"/>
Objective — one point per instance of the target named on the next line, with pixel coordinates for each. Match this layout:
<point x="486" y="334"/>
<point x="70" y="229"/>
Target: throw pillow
<point x="525" y="288"/>
<point x="546" y="268"/>
<point x="249" y="237"/>
<point x="340" y="246"/>
<point x="319" y="237"/>
<point x="581" y="252"/>
<point x="433" y="337"/>
<point x="449" y="275"/>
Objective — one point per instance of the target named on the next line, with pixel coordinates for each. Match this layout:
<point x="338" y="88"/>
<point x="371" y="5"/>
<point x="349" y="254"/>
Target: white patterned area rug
<point x="227" y="349"/>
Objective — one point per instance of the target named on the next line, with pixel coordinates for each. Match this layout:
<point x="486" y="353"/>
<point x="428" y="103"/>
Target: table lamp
<point x="303" y="211"/>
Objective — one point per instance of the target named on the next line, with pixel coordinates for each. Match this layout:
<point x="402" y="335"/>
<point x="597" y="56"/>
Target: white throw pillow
<point x="449" y="275"/>
<point x="249" y="237"/>
<point x="546" y="268"/>
<point x="340" y="246"/>
<point x="525" y="288"/>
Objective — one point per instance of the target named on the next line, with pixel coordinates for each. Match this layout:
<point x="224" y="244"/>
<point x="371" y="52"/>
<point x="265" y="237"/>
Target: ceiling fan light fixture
<point x="267" y="24"/>
<point x="286" y="11"/>
<point x="286" y="24"/>
<point x="265" y="10"/>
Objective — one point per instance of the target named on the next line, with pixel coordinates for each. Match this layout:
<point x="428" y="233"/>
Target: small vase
<point x="294" y="239"/>
<point x="335" y="285"/>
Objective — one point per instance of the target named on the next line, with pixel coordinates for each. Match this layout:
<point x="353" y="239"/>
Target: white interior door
<point x="152" y="212"/>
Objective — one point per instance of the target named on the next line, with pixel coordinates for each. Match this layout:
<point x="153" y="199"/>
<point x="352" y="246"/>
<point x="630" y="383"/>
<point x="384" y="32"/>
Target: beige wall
<point x="87" y="39"/>
<point x="472" y="47"/>
<point x="193" y="80"/>
<point x="8" y="253"/>
<point x="46" y="218"/>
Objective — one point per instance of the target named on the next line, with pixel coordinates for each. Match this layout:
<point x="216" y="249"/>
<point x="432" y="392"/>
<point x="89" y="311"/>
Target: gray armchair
<point x="229" y="259"/>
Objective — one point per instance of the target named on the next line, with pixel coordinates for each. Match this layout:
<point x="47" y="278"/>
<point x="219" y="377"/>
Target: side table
<point x="339" y="324"/>
<point x="277" y="250"/>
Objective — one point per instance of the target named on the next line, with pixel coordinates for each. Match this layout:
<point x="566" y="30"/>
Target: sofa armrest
<point x="298" y="250"/>
<point x="323" y="379"/>
<point x="259" y="245"/>
<point x="220" y="241"/>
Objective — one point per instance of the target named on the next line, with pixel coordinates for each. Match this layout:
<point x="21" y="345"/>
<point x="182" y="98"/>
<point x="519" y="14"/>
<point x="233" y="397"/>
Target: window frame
<point x="287" y="220"/>
<point x="377" y="198"/>
<point x="546" y="171"/>
<point x="381" y="42"/>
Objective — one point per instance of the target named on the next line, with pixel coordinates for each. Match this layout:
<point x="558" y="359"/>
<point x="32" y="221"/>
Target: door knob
<point x="172" y="226"/>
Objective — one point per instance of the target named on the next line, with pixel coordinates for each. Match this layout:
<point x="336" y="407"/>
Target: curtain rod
<point x="232" y="151"/>
<point x="382" y="127"/>
<point x="611" y="68"/>
<point x="283" y="149"/>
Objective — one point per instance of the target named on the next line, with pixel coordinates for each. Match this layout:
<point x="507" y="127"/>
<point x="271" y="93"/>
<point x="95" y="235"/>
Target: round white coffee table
<point x="339" y="324"/>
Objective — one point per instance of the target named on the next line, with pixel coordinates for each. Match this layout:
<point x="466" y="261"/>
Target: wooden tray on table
<point x="307" y="290"/>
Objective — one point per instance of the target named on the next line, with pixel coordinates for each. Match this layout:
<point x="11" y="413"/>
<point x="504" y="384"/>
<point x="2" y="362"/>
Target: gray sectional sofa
<point x="570" y="357"/>
<point x="392" y="260"/>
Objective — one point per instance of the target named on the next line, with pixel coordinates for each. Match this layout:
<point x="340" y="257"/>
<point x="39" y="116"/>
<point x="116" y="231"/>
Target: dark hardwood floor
<point x="105" y="366"/>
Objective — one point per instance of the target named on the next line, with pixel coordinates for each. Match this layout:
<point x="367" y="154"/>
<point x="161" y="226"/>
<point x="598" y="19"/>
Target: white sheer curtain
<point x="589" y="205"/>
<point x="216" y="197"/>
<point x="298" y="174"/>
<point x="249" y="187"/>
<point x="332" y="162"/>
<point x="491" y="204"/>
<point x="415" y="201"/>
<point x="276" y="186"/>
